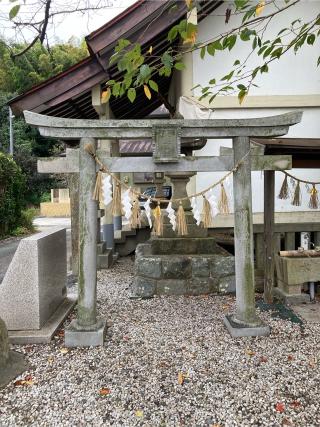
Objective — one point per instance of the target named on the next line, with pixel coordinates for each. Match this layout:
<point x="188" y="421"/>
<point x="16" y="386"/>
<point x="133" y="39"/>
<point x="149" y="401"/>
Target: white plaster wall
<point x="292" y="75"/>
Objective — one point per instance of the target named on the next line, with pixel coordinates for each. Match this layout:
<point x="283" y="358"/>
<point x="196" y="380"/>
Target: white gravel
<point x="155" y="344"/>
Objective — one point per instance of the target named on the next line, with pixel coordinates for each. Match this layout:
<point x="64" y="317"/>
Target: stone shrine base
<point x="187" y="266"/>
<point x="79" y="336"/>
<point x="46" y="332"/>
<point x="237" y="330"/>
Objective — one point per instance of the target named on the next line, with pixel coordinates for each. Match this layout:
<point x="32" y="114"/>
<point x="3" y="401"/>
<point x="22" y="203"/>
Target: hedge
<point x="12" y="194"/>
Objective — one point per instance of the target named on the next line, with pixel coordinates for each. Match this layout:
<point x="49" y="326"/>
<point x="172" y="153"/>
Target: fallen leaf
<point x="250" y="352"/>
<point x="64" y="350"/>
<point x="295" y="404"/>
<point x="280" y="407"/>
<point x="286" y="422"/>
<point x="313" y="362"/>
<point x="290" y="357"/>
<point x="263" y="359"/>
<point x="104" y="391"/>
<point x="50" y="359"/>
<point x="61" y="333"/>
<point x="139" y="413"/>
<point x="180" y="378"/>
<point x="27" y="381"/>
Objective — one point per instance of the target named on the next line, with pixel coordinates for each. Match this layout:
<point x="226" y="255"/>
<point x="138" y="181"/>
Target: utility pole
<point x="11" y="116"/>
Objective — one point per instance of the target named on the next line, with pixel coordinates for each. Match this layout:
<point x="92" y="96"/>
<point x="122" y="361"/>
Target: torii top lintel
<point x="266" y="127"/>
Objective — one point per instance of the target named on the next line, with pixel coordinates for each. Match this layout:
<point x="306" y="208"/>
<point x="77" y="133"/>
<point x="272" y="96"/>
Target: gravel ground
<point x="169" y="362"/>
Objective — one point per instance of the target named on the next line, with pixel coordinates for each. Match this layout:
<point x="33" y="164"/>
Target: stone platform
<point x="188" y="266"/>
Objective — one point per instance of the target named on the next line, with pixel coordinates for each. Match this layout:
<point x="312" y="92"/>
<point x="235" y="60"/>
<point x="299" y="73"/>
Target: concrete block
<point x="35" y="283"/>
<point x="78" y="336"/>
<point x="149" y="266"/>
<point x="143" y="287"/>
<point x="237" y="330"/>
<point x="15" y="366"/>
<point x="291" y="299"/>
<point x="172" y="287"/>
<point x="176" y="267"/>
<point x="105" y="260"/>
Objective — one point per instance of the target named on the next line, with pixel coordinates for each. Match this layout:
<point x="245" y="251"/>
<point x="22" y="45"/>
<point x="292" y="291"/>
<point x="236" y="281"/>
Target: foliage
<point x="139" y="67"/>
<point x="17" y="76"/>
<point x="38" y="64"/>
<point x="12" y="188"/>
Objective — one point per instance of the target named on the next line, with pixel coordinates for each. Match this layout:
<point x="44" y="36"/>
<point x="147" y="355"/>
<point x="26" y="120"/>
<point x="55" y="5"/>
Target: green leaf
<point x="116" y="89"/>
<point x="318" y="62"/>
<point x="212" y="98"/>
<point x="145" y="71"/>
<point x="167" y="60"/>
<point x="267" y="51"/>
<point x="311" y="39"/>
<point x="212" y="81"/>
<point x="255" y="72"/>
<point x="241" y="95"/>
<point x="202" y="52"/>
<point x="232" y="41"/>
<point x="246" y="34"/>
<point x="216" y="45"/>
<point x="179" y="66"/>
<point x="241" y="87"/>
<point x="264" y="68"/>
<point x="211" y="50"/>
<point x="131" y="94"/>
<point x="277" y="53"/>
<point x="14" y="11"/>
<point x="153" y="85"/>
<point x="254" y="43"/>
<point x="240" y="4"/>
<point x="236" y="62"/>
<point x="172" y="34"/>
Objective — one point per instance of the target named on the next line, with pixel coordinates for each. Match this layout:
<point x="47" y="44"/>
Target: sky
<point x="65" y="26"/>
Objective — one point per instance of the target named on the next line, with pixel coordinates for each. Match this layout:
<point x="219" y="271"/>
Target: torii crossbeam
<point x="87" y="329"/>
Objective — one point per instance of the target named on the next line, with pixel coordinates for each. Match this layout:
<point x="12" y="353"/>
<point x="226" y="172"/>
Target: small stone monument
<point x="11" y="362"/>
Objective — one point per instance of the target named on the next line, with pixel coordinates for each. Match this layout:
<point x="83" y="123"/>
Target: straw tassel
<point x="296" y="201"/>
<point x="116" y="202"/>
<point x="284" y="190"/>
<point x="181" y="222"/>
<point x="314" y="200"/>
<point x="97" y="193"/>
<point x="89" y="148"/>
<point x="223" y="204"/>
<point x="135" y="220"/>
<point x="158" y="221"/>
<point x="206" y="214"/>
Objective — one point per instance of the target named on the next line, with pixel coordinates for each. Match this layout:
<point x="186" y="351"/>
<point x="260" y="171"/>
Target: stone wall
<point x="182" y="267"/>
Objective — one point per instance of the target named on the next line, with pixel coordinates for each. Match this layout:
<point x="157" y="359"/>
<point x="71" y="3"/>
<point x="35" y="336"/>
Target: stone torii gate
<point x="87" y="330"/>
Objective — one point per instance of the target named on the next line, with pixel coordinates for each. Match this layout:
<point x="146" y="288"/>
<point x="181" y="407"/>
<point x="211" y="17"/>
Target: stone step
<point x="101" y="248"/>
<point x="105" y="260"/>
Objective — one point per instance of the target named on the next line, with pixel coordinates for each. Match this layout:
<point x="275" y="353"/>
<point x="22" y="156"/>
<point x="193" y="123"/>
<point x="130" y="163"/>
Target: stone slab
<point x="291" y="299"/>
<point x="15" y="366"/>
<point x="309" y="312"/>
<point x="45" y="334"/>
<point x="237" y="330"/>
<point x="75" y="336"/>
